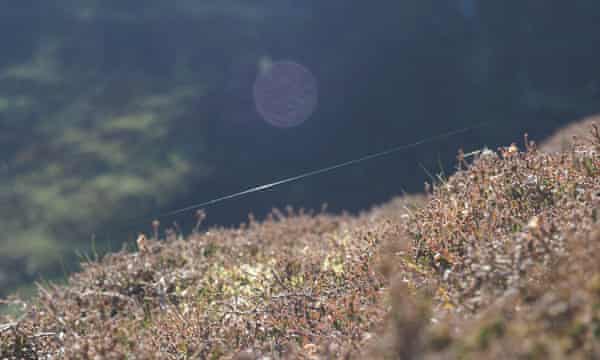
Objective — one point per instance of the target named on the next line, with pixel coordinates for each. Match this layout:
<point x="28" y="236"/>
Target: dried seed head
<point x="155" y="227"/>
<point x="485" y="152"/>
<point x="200" y="215"/>
<point x="533" y="223"/>
<point x="142" y="243"/>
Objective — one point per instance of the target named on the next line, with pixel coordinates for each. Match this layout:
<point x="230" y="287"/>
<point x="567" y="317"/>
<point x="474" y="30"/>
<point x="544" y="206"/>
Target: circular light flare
<point x="285" y="93"/>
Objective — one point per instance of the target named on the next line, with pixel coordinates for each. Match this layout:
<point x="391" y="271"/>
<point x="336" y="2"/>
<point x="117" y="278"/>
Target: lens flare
<point x="285" y="93"/>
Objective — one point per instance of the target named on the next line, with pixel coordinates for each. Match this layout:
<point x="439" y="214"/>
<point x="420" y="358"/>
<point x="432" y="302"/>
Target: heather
<point x="497" y="261"/>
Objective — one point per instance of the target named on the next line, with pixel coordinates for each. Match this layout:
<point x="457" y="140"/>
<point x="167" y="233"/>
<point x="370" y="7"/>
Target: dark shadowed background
<point x="113" y="111"/>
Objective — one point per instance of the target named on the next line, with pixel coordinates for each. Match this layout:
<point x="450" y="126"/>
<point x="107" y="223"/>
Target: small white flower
<point x="487" y="153"/>
<point x="531" y="180"/>
<point x="533" y="223"/>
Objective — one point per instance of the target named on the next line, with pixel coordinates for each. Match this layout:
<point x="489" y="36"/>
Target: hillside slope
<point x="498" y="261"/>
<point x="564" y="138"/>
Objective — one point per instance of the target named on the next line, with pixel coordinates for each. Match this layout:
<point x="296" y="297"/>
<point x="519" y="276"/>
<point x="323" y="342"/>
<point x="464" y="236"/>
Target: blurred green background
<point x="114" y="111"/>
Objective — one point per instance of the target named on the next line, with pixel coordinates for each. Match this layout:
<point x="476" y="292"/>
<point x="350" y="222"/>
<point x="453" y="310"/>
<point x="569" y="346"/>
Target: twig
<point x="279" y="280"/>
<point x="109" y="294"/>
<point x="44" y="334"/>
<point x="13" y="325"/>
<point x="6" y="327"/>
<point x="288" y="295"/>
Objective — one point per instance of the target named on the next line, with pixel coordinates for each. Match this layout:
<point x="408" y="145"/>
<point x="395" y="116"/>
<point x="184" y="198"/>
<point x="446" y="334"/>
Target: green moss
<point x="590" y="167"/>
<point x="538" y="351"/>
<point x="489" y="332"/>
<point x="440" y="338"/>
<point x="577" y="330"/>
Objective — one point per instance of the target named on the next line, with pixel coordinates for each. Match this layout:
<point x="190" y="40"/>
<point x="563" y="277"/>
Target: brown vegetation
<point x="498" y="261"/>
<point x="563" y="139"/>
